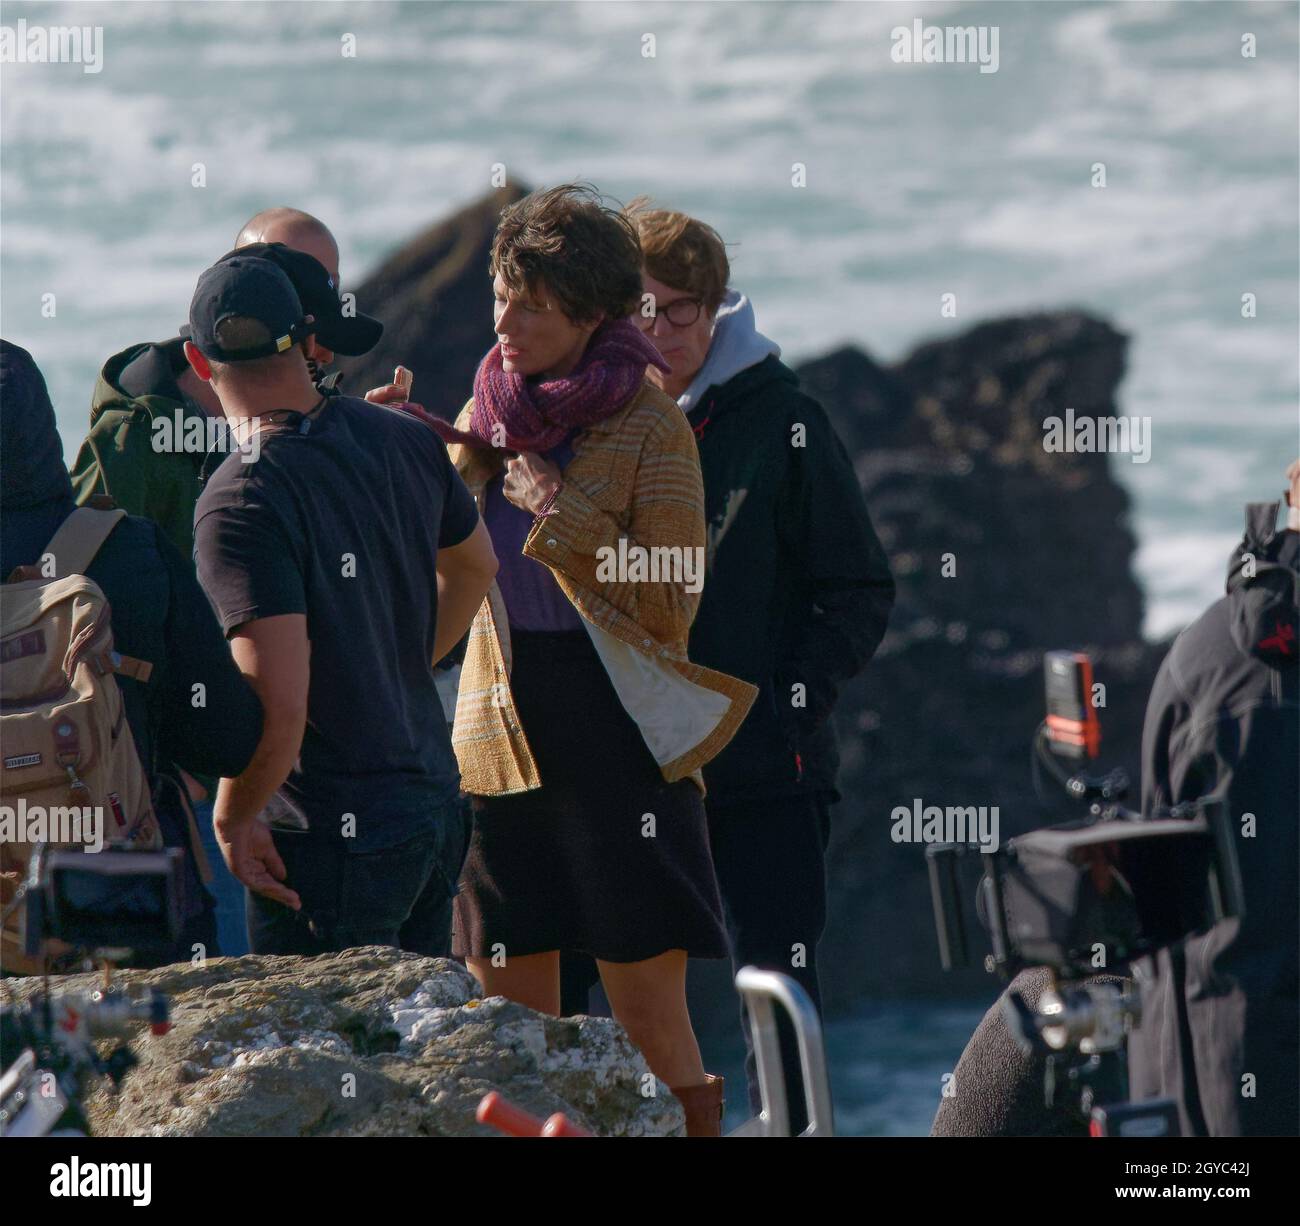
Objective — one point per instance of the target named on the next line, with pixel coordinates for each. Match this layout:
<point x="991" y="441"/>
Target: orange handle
<point x="507" y="1118"/>
<point x="559" y="1126"/>
<point x="501" y="1115"/>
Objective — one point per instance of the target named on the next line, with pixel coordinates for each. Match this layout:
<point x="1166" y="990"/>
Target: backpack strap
<point x="73" y="547"/>
<point x="79" y="538"/>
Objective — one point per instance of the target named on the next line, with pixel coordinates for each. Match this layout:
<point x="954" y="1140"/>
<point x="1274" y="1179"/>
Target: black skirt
<point x="605" y="858"/>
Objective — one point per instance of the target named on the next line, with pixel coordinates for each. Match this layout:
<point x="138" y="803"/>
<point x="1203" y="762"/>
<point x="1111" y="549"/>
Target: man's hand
<point x="530" y="481"/>
<point x="249" y="853"/>
<point x="274" y="653"/>
<point x="1293" y="495"/>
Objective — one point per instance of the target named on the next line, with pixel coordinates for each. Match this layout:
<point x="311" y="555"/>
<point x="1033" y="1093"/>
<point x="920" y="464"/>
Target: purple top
<point x="533" y="599"/>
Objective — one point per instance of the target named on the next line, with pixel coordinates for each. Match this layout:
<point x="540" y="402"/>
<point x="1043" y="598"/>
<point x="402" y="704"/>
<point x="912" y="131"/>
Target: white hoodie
<point x="737" y="345"/>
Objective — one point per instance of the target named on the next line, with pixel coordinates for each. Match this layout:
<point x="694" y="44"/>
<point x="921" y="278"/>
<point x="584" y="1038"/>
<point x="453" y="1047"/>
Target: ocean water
<point x="118" y="187"/>
<point x="921" y="180"/>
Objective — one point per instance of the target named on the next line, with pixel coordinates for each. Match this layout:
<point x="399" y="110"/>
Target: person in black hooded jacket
<point x="1221" y="1010"/>
<point x="159" y="614"/>
<point x="796" y="597"/>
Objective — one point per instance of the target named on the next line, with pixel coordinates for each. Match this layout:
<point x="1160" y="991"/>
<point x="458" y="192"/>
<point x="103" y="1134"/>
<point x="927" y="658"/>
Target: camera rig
<point x="1085" y="899"/>
<point x="105" y="907"/>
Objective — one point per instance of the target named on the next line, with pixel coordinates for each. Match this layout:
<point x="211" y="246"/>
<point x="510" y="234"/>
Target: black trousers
<point x="770" y="858"/>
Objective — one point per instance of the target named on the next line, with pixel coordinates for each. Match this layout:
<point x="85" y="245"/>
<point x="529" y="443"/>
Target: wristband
<point x="548" y="507"/>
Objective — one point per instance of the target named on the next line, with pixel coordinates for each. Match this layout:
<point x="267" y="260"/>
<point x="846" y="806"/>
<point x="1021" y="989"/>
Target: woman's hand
<point x="530" y="481"/>
<point x="396" y="392"/>
<point x="390" y="393"/>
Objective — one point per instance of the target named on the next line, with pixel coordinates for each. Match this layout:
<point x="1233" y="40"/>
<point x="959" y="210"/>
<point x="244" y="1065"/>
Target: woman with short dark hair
<point x="581" y="724"/>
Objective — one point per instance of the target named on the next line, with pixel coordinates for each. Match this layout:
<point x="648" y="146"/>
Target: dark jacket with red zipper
<point x="1221" y="1010"/>
<point x="798" y="588"/>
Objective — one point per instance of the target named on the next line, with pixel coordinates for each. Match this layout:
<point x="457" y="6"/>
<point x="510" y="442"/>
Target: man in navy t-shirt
<point x="344" y="557"/>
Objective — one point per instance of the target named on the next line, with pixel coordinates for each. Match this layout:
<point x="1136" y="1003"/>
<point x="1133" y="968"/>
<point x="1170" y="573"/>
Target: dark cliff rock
<point x="435" y="298"/>
<point x="949" y="448"/>
<point x="948" y="445"/>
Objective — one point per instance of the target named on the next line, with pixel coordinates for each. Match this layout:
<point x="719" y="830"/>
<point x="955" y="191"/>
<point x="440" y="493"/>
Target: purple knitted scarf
<point x="538" y="416"/>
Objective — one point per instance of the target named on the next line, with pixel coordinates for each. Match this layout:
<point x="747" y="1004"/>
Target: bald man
<point x="295" y="229"/>
<point x="303" y="232"/>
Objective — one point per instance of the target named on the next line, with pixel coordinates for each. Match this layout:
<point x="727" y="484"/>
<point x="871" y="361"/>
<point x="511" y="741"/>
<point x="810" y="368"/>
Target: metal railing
<point x="761" y="991"/>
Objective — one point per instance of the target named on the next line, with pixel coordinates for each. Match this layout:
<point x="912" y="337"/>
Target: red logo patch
<point x="29" y="643"/>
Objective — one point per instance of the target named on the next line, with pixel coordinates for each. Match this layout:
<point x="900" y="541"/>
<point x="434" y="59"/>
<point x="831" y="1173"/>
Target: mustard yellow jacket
<point x="635" y="475"/>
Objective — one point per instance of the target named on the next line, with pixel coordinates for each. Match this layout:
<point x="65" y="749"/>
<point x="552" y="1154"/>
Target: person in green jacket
<point x="149" y="407"/>
<point x="137" y="390"/>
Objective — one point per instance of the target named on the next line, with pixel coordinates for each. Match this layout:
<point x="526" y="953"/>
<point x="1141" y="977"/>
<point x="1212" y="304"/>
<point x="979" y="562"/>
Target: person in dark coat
<point x="160" y="615"/>
<point x="796" y="597"/>
<point x="1221" y="1010"/>
<point x="1220" y="1017"/>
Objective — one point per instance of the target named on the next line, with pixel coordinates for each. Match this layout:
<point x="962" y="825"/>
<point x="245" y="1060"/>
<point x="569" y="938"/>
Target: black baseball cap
<point x="250" y="287"/>
<point x="350" y="335"/>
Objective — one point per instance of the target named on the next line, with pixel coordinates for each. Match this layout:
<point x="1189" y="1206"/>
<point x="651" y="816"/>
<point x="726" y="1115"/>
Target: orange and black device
<point x="1072" y="724"/>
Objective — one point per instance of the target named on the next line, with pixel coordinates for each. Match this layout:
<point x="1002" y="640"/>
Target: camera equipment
<point x="119" y="901"/>
<point x="116" y="905"/>
<point x="1072" y="724"/>
<point x="1085" y="898"/>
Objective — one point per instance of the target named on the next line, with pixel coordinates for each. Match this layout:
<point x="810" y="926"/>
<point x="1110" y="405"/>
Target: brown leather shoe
<point x="703" y="1105"/>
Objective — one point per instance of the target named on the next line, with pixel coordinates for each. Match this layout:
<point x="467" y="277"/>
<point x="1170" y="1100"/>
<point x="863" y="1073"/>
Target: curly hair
<point x="568" y="239"/>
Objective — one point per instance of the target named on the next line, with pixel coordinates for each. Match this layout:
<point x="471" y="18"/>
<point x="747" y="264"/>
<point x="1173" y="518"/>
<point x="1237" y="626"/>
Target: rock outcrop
<point x="369" y="1042"/>
<point x="1001" y="550"/>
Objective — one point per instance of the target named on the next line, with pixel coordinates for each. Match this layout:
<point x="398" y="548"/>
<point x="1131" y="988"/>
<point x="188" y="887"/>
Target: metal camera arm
<point x="1080" y="1030"/>
<point x="58" y="1059"/>
<point x="1102" y="794"/>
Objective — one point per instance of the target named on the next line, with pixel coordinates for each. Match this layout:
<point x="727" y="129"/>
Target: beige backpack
<point x="68" y="753"/>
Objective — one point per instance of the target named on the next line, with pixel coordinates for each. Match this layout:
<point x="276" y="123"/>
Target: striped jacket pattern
<point x="634" y="481"/>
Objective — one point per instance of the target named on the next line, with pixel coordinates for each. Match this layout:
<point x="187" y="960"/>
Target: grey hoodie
<point x="737" y="345"/>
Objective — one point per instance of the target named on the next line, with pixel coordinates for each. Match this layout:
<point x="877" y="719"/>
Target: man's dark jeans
<point x="400" y="896"/>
